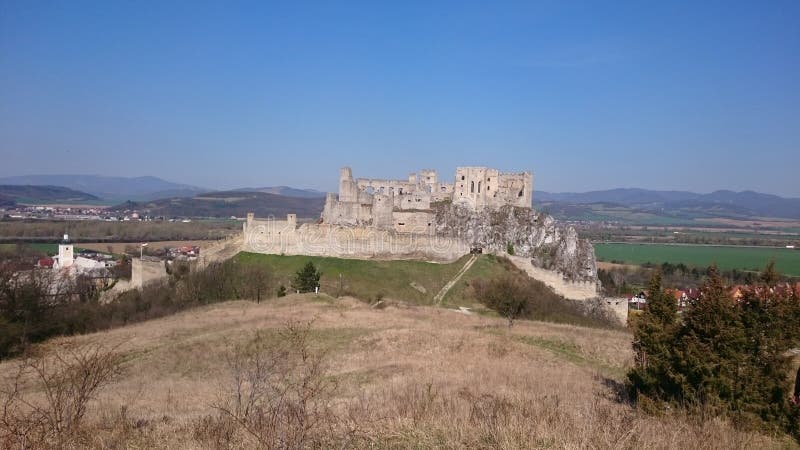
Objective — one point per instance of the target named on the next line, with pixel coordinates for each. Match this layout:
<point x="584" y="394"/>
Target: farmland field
<point x="787" y="261"/>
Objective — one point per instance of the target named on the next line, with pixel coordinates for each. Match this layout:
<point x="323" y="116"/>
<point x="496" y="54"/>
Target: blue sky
<point x="586" y="95"/>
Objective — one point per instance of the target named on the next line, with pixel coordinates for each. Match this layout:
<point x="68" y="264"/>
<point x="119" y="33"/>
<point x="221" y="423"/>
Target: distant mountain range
<point x="675" y="204"/>
<point x="11" y="195"/>
<point x="110" y="189"/>
<point x="625" y="205"/>
<point x="226" y="204"/>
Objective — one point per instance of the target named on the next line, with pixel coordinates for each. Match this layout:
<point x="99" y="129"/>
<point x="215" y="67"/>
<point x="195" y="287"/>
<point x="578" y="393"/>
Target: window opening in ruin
<point x="462" y="177"/>
<point x="401" y="223"/>
<point x="797" y="385"/>
<point x="444" y="189"/>
<point x="472" y="186"/>
<point x="488" y="179"/>
<point x="520" y="194"/>
<point x="479" y="187"/>
<point x="488" y="187"/>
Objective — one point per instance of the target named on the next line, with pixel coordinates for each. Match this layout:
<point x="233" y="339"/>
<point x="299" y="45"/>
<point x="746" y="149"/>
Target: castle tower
<point x="348" y="189"/>
<point x="65" y="253"/>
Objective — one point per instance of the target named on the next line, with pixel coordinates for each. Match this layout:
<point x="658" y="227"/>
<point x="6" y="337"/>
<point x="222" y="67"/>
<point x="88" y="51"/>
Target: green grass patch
<point x="50" y="249"/>
<point x="370" y="279"/>
<point x="572" y="353"/>
<point x="787" y="261"/>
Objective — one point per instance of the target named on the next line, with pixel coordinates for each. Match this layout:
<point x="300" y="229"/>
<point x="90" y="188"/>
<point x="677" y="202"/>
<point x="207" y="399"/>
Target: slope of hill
<point x="109" y="188"/>
<point x="11" y="194"/>
<point x="400" y="377"/>
<point x="287" y="191"/>
<point x="226" y="204"/>
<point x="669" y="205"/>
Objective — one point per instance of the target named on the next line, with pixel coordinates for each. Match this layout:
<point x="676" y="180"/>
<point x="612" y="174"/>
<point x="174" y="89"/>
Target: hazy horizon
<point x="674" y="96"/>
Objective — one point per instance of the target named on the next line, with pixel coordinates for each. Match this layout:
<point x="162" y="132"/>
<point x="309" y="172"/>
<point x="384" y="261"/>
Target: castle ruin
<point x="404" y="206"/>
<point x="422" y="218"/>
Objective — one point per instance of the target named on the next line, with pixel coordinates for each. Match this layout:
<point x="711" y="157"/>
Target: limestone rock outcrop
<point x="530" y="234"/>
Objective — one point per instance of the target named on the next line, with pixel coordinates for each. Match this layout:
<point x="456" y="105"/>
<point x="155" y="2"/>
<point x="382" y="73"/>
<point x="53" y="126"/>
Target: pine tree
<point x="306" y="279"/>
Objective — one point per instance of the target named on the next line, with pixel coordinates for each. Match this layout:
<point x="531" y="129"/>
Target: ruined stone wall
<point x="421" y="222"/>
<point x="145" y="271"/>
<point x="354" y="242"/>
<point x="347" y="213"/>
<point x="348" y="189"/>
<point x="277" y="235"/>
<point x="413" y="201"/>
<point x="483" y="187"/>
<point x="382" y="208"/>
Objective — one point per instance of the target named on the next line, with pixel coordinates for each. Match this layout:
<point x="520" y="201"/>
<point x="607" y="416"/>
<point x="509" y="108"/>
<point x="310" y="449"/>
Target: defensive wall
<point x="277" y="236"/>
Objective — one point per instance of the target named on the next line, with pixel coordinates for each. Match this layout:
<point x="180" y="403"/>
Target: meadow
<point x="400" y="377"/>
<point x="413" y="281"/>
<point x="787" y="261"/>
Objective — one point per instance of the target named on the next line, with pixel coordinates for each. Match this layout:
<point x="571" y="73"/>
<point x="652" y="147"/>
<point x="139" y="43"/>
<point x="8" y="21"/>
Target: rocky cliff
<point x="529" y="233"/>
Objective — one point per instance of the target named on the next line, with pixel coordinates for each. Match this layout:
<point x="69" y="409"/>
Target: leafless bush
<point x="280" y="393"/>
<point x="46" y="397"/>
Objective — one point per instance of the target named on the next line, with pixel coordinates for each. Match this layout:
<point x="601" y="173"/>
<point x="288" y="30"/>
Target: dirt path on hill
<point x="437" y="299"/>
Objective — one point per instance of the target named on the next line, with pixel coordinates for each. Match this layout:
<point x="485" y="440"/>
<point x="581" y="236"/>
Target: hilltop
<point x="110" y="189"/>
<point x="404" y="376"/>
<point x="10" y="195"/>
<point x="226" y="204"/>
<point x="654" y="207"/>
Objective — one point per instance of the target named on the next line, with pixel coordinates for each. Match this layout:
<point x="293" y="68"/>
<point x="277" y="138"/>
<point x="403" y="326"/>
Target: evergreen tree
<point x="306" y="279"/>
<point x="769" y="275"/>
<point x="710" y="345"/>
<point x="653" y="343"/>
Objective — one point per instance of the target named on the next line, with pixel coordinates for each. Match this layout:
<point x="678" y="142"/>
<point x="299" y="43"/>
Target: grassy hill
<point x="226" y="204"/>
<point x="12" y="194"/>
<point x="399" y="377"/>
<point x="371" y="279"/>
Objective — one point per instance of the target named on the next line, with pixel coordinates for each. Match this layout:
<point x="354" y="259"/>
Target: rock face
<point x="529" y="233"/>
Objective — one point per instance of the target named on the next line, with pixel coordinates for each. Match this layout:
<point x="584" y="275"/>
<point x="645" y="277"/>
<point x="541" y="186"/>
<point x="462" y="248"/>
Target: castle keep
<point x="404" y="206"/>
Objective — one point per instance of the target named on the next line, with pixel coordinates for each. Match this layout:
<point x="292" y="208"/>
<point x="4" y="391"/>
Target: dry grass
<point x="406" y="376"/>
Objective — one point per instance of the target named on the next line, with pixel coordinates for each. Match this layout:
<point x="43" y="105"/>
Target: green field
<point x="787" y="261"/>
<point x="50" y="249"/>
<point x="359" y="276"/>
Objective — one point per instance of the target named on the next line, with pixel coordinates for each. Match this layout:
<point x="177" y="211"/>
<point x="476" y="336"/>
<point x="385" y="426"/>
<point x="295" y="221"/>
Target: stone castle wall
<point x="284" y="237"/>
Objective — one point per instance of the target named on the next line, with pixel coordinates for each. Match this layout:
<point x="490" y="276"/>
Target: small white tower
<point x="65" y="255"/>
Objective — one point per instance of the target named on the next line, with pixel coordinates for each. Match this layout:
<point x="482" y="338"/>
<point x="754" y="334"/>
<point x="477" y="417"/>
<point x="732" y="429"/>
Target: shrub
<point x="69" y="380"/>
<point x="516" y="296"/>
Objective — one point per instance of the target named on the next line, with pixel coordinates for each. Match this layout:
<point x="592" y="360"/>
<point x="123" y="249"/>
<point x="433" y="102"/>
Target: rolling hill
<point x="111" y="189"/>
<point x="287" y="191"/>
<point x="13" y="194"/>
<point x="226" y="204"/>
<point x="665" y="206"/>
